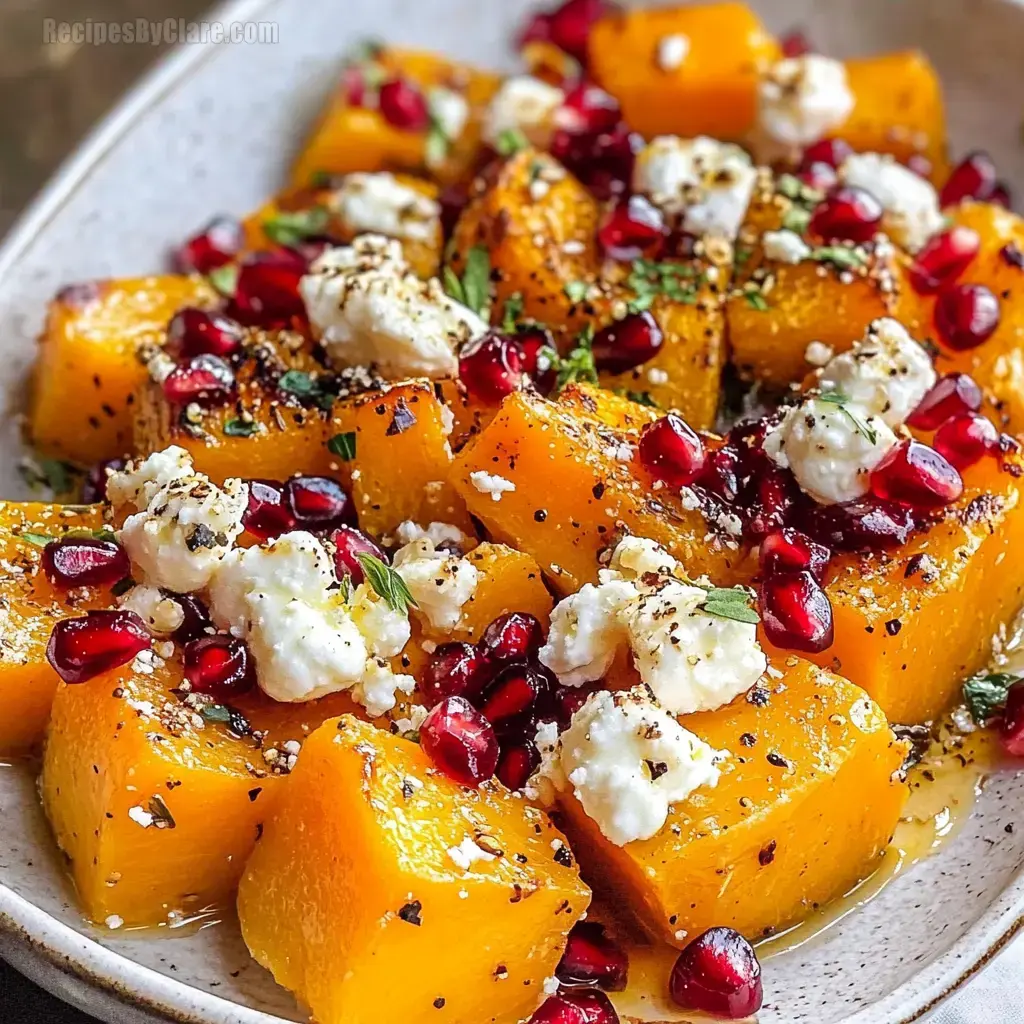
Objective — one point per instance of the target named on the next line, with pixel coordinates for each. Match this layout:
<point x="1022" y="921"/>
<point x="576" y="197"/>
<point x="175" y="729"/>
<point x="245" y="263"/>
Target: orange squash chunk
<point x="713" y="91"/>
<point x="805" y="807"/>
<point x="87" y="374"/>
<point x="350" y="138"/>
<point x="374" y="899"/>
<point x="606" y="408"/>
<point x="29" y="607"/>
<point x="594" y="490"/>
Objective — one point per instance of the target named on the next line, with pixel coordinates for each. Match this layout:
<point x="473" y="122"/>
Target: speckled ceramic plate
<point x="213" y="129"/>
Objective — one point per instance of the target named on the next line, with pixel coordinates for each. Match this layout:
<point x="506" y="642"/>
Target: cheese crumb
<point x="440" y="583"/>
<point x="468" y="853"/>
<point x="785" y="246"/>
<point x="490" y="483"/>
<point x="524" y="104"/>
<point x="801" y="99"/>
<point x="380" y="204"/>
<point x="672" y="51"/>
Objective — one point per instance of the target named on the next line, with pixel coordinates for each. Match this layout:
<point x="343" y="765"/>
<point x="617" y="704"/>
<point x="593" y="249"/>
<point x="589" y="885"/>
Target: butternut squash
<point x="374" y="899"/>
<point x="805" y="807"/>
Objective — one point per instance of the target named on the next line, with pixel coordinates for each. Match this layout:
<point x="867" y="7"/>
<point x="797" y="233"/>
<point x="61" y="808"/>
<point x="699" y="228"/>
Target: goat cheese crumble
<point x="160" y="613"/>
<point x="672" y="51"/>
<point x="440" y="583"/>
<point x="491" y="483"/>
<point x="802" y="99"/>
<point x="785" y="246"/>
<point x="380" y="204"/>
<point x="524" y="104"/>
<point x="449" y="110"/>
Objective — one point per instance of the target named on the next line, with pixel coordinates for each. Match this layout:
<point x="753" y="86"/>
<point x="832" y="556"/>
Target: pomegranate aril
<point x="452" y="200"/>
<point x="455" y="669"/>
<point x="952" y="395"/>
<point x="973" y="178"/>
<point x="671" y="450"/>
<point x="196" y="622"/>
<point x="774" y="493"/>
<point x="633" y="227"/>
<point x="349" y="544"/>
<point x="586" y="1006"/>
<point x="512" y="637"/>
<point x="944" y="258"/>
<point x="864" y="525"/>
<point x="196" y="332"/>
<point x="567" y="26"/>
<point x="205" y="380"/>
<point x="795" y="43"/>
<point x="820" y="176"/>
<point x="491" y="367"/>
<point x="826" y="151"/>
<point x="1001" y="195"/>
<point x="789" y="550"/>
<point x="219" y="666"/>
<point x="720" y="476"/>
<point x="317" y="502"/>
<point x="84" y="562"/>
<point x="353" y="85"/>
<point x="966" y="315"/>
<point x="514" y="691"/>
<point x="966" y="439"/>
<point x="568" y="700"/>
<point x="267" y="291"/>
<point x="587" y="109"/>
<point x="404" y="106"/>
<point x="94" y="487"/>
<point x="718" y="973"/>
<point x="603" y="162"/>
<point x="516" y="764"/>
<point x="627" y="343"/>
<point x="592" y="958"/>
<point x="1011" y="728"/>
<point x="796" y="613"/>
<point x="846" y="215"/>
<point x="267" y="515"/>
<point x="218" y="243"/>
<point x="531" y="343"/>
<point x="460" y="741"/>
<point x="80" y="649"/>
<point x="918" y="476"/>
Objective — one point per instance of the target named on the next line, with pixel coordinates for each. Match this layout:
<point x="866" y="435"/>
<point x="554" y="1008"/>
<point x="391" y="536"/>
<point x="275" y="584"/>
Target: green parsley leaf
<point x="648" y="279"/>
<point x="306" y="387"/>
<point x="985" y="694"/>
<point x="122" y="586"/>
<point x="343" y="445"/>
<point x="579" y="363"/>
<point x="576" y="291"/>
<point x="755" y="300"/>
<point x="103" y="533"/>
<point x="437" y="145"/>
<point x="292" y="227"/>
<point x="842" y="257"/>
<point x="40" y="540"/>
<point x="510" y="141"/>
<point x="474" y="289"/>
<point x="387" y="583"/>
<point x="511" y="312"/>
<point x="640" y="303"/>
<point x="452" y="285"/>
<point x="796" y="219"/>
<point x="224" y="279"/>
<point x="237" y="427"/>
<point x="730" y="603"/>
<point x="741" y="255"/>
<point x="345" y="585"/>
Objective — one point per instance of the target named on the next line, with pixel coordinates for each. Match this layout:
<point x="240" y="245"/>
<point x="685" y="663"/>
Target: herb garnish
<point x="224" y="279"/>
<point x="343" y="445"/>
<point x="237" y="427"/>
<point x="40" y="540"/>
<point x="843" y="257"/>
<point x="729" y="603"/>
<point x="985" y="694"/>
<point x="649" y="279"/>
<point x="859" y="424"/>
<point x="511" y="312"/>
<point x="510" y="141"/>
<point x="576" y="291"/>
<point x="578" y="365"/>
<point x="58" y="476"/>
<point x="474" y="288"/>
<point x="305" y="386"/>
<point x="387" y="583"/>
<point x="292" y="227"/>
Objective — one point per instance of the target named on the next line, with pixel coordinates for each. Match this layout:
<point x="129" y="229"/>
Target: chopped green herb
<point x="511" y="312"/>
<point x="39" y="539"/>
<point x="292" y="227"/>
<point x="345" y="586"/>
<point x="648" y="279"/>
<point x="640" y="303"/>
<point x="755" y="300"/>
<point x="237" y="427"/>
<point x="54" y="474"/>
<point x="730" y="603"/>
<point x="437" y="144"/>
<point x="796" y="218"/>
<point x="642" y="398"/>
<point x="215" y="713"/>
<point x="343" y="445"/>
<point x="741" y="255"/>
<point x="510" y="141"/>
<point x="579" y="363"/>
<point x="387" y="583"/>
<point x="305" y="386"/>
<point x="576" y="291"/>
<point x="224" y="279"/>
<point x="858" y="422"/>
<point x="985" y="694"/>
<point x="843" y="257"/>
<point x="474" y="289"/>
<point x="793" y="188"/>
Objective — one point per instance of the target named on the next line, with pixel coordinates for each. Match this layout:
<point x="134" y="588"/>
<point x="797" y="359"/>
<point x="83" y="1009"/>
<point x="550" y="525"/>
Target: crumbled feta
<point x="911" y="204"/>
<point x="636" y="556"/>
<point x="801" y="99"/>
<point x="378" y="690"/>
<point x="140" y="816"/>
<point x="407" y="727"/>
<point x="672" y="51"/>
<point x="439" y="534"/>
<point x="381" y="204"/>
<point x="627" y="761"/>
<point x="830" y="448"/>
<point x="369" y="309"/>
<point x="161" y="614"/>
<point x="113" y="922"/>
<point x="491" y="483"/>
<point x="818" y="353"/>
<point x="785" y="246"/>
<point x="886" y="372"/>
<point x="468" y="853"/>
<point x="709" y="183"/>
<point x="449" y="110"/>
<point x="525" y="104"/>
<point x="440" y="583"/>
<point x="550" y="986"/>
<point x="183" y="524"/>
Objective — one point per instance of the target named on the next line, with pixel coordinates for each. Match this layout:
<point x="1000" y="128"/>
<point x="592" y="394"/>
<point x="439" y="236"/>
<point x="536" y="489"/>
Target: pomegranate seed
<point x="84" y="562"/>
<point x="795" y="43"/>
<point x="864" y="525"/>
<point x="94" y="487"/>
<point x="789" y="550"/>
<point x="819" y="176"/>
<point x="591" y="958"/>
<point x="267" y="292"/>
<point x="827" y="151"/>
<point x="218" y="243"/>
<point x="1011" y="728"/>
<point x="197" y="332"/>
<point x="452" y="199"/>
<point x="916" y="475"/>
<point x="267" y="515"/>
<point x="973" y="178"/>
<point x="847" y="215"/>
<point x="82" y="648"/>
<point x="966" y="439"/>
<point x="966" y="315"/>
<point x="587" y="109"/>
<point x="514" y="692"/>
<point x="1001" y="195"/>
<point x="353" y="85"/>
<point x="775" y="492"/>
<point x="587" y="1006"/>
<point x="491" y="368"/>
<point x="796" y="613"/>
<point x="627" y="343"/>
<point x="460" y="741"/>
<point x="204" y="380"/>
<point x="568" y="26"/>
<point x="568" y="700"/>
<point x="531" y="342"/>
<point x="944" y="258"/>
<point x="516" y="764"/>
<point x="603" y="162"/>
<point x="512" y="637"/>
<point x="404" y="106"/>
<point x="318" y="502"/>
<point x="349" y="543"/>
<point x="721" y="474"/>
<point x="455" y="669"/>
<point x="632" y="228"/>
<point x="196" y="623"/>
<point x="219" y="666"/>
<point x="950" y="396"/>
<point x="718" y="973"/>
<point x="670" y="450"/>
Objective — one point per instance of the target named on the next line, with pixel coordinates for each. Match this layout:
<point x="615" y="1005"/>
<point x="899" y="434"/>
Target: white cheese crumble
<point x="468" y="853"/>
<point x="140" y="816"/>
<point x="369" y="309"/>
<point x="627" y="761"/>
<point x="449" y="111"/>
<point x="491" y="483"/>
<point x="818" y="353"/>
<point x="439" y="534"/>
<point x="706" y="182"/>
<point x="672" y="51"/>
<point x="181" y="525"/>
<point x="113" y="922"/>
<point x="911" y="204"/>
<point x="440" y="583"/>
<point x="886" y="372"/>
<point x="380" y="204"/>
<point x="802" y="99"/>
<point x="785" y="246"/>
<point x="161" y="614"/>
<point x="524" y="104"/>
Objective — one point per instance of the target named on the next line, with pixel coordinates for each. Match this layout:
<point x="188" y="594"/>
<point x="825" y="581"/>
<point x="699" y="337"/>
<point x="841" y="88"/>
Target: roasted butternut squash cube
<point x="373" y="898"/>
<point x="87" y="375"/>
<point x="350" y="137"/>
<point x="29" y="607"/>
<point x="606" y="408"/>
<point x="595" y="490"/>
<point x="710" y="90"/>
<point x="806" y="805"/>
